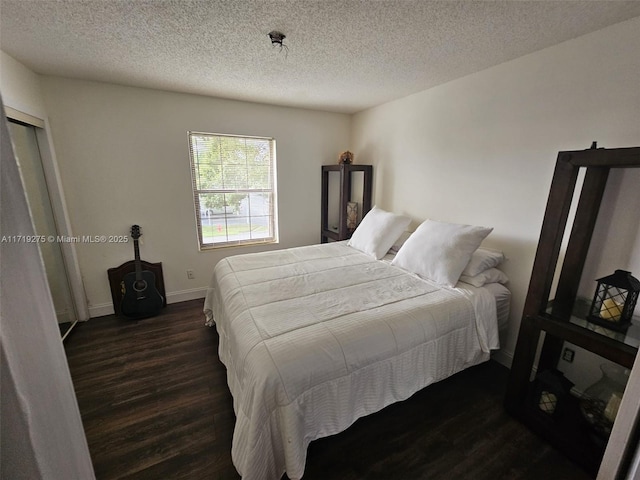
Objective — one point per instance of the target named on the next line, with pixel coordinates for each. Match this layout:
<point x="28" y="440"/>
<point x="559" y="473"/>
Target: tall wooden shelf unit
<point x="559" y="321"/>
<point x="341" y="232"/>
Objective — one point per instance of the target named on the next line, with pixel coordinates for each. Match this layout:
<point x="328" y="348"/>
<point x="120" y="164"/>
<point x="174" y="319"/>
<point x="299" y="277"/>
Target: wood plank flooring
<point x="155" y="405"/>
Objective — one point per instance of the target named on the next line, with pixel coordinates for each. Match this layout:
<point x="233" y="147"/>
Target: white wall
<point x="123" y="157"/>
<point x="481" y="149"/>
<point x="21" y="87"/>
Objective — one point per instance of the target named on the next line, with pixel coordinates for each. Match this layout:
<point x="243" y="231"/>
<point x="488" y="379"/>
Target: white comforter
<point x="316" y="337"/>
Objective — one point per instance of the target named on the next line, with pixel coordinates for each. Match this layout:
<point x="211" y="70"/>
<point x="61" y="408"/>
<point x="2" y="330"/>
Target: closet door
<point x="27" y="152"/>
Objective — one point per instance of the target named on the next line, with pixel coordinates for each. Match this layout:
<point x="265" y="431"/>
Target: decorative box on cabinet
<point x="563" y="318"/>
<point x="334" y="227"/>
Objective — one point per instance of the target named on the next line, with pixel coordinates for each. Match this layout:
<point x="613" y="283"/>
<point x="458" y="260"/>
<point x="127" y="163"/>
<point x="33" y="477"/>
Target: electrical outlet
<point x="190" y="274"/>
<point x="568" y="354"/>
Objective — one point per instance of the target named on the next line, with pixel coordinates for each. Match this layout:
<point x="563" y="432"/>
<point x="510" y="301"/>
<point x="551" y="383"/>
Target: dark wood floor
<point x="155" y="405"/>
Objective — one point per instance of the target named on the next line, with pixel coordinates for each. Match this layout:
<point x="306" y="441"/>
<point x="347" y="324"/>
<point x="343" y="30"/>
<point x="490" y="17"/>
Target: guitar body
<point x="140" y="297"/>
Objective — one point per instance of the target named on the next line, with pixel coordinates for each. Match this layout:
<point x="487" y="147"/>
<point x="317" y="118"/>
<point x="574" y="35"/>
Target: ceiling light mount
<point x="277" y="40"/>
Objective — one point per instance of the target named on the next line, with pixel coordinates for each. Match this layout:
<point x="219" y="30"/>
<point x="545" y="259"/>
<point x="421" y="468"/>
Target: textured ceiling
<point x="343" y="55"/>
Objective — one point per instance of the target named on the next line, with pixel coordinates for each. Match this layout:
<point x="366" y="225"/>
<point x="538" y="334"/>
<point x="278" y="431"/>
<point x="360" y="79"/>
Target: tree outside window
<point x="234" y="189"/>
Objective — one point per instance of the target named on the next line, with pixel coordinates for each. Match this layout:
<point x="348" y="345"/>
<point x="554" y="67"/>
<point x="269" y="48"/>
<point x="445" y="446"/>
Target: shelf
<point x="578" y="316"/>
<point x="569" y="323"/>
<point x="332" y="234"/>
<point x="565" y="318"/>
<point x="607" y="347"/>
<point x="329" y="231"/>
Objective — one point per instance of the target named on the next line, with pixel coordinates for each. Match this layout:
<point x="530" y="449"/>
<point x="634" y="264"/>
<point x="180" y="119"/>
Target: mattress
<point x="316" y="337"/>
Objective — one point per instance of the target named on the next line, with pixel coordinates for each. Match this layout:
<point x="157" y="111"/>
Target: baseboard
<point x="102" y="309"/>
<point x="185" y="295"/>
<point x="503" y="358"/>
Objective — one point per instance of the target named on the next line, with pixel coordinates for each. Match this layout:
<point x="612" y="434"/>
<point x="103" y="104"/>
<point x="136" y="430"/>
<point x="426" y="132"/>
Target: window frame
<point x="272" y="215"/>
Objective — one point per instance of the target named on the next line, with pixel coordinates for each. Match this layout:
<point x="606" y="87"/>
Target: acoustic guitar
<point x="140" y="297"/>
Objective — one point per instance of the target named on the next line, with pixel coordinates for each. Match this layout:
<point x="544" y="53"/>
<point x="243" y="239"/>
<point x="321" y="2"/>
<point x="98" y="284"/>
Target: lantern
<point x="551" y="393"/>
<point x="614" y="301"/>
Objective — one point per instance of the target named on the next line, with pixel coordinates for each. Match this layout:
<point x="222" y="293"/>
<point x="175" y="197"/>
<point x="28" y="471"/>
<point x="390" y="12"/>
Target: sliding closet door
<point x="30" y="162"/>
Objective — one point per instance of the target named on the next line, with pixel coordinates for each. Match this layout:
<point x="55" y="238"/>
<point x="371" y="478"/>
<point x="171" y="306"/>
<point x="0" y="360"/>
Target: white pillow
<point x="377" y="232"/>
<point x="482" y="259"/>
<point x="490" y="275"/>
<point x="439" y="251"/>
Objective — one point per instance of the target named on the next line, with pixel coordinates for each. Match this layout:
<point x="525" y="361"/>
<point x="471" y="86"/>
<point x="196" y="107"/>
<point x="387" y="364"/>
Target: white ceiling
<point x="343" y="55"/>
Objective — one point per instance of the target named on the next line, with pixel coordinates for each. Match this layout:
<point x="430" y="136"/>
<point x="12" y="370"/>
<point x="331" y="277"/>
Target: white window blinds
<point x="234" y="190"/>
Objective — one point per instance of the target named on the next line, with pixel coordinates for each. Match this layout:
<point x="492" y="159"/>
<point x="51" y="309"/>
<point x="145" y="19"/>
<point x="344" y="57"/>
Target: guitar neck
<point x="138" y="262"/>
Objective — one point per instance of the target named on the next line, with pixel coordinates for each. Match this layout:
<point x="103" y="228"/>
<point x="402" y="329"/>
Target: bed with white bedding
<point x="315" y="337"/>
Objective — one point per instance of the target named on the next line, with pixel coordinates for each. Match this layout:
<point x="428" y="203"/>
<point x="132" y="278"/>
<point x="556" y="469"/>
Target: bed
<point x="315" y="337"/>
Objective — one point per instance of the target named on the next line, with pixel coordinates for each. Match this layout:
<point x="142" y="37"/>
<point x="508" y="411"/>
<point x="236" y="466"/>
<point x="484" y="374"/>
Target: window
<point x="234" y="190"/>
